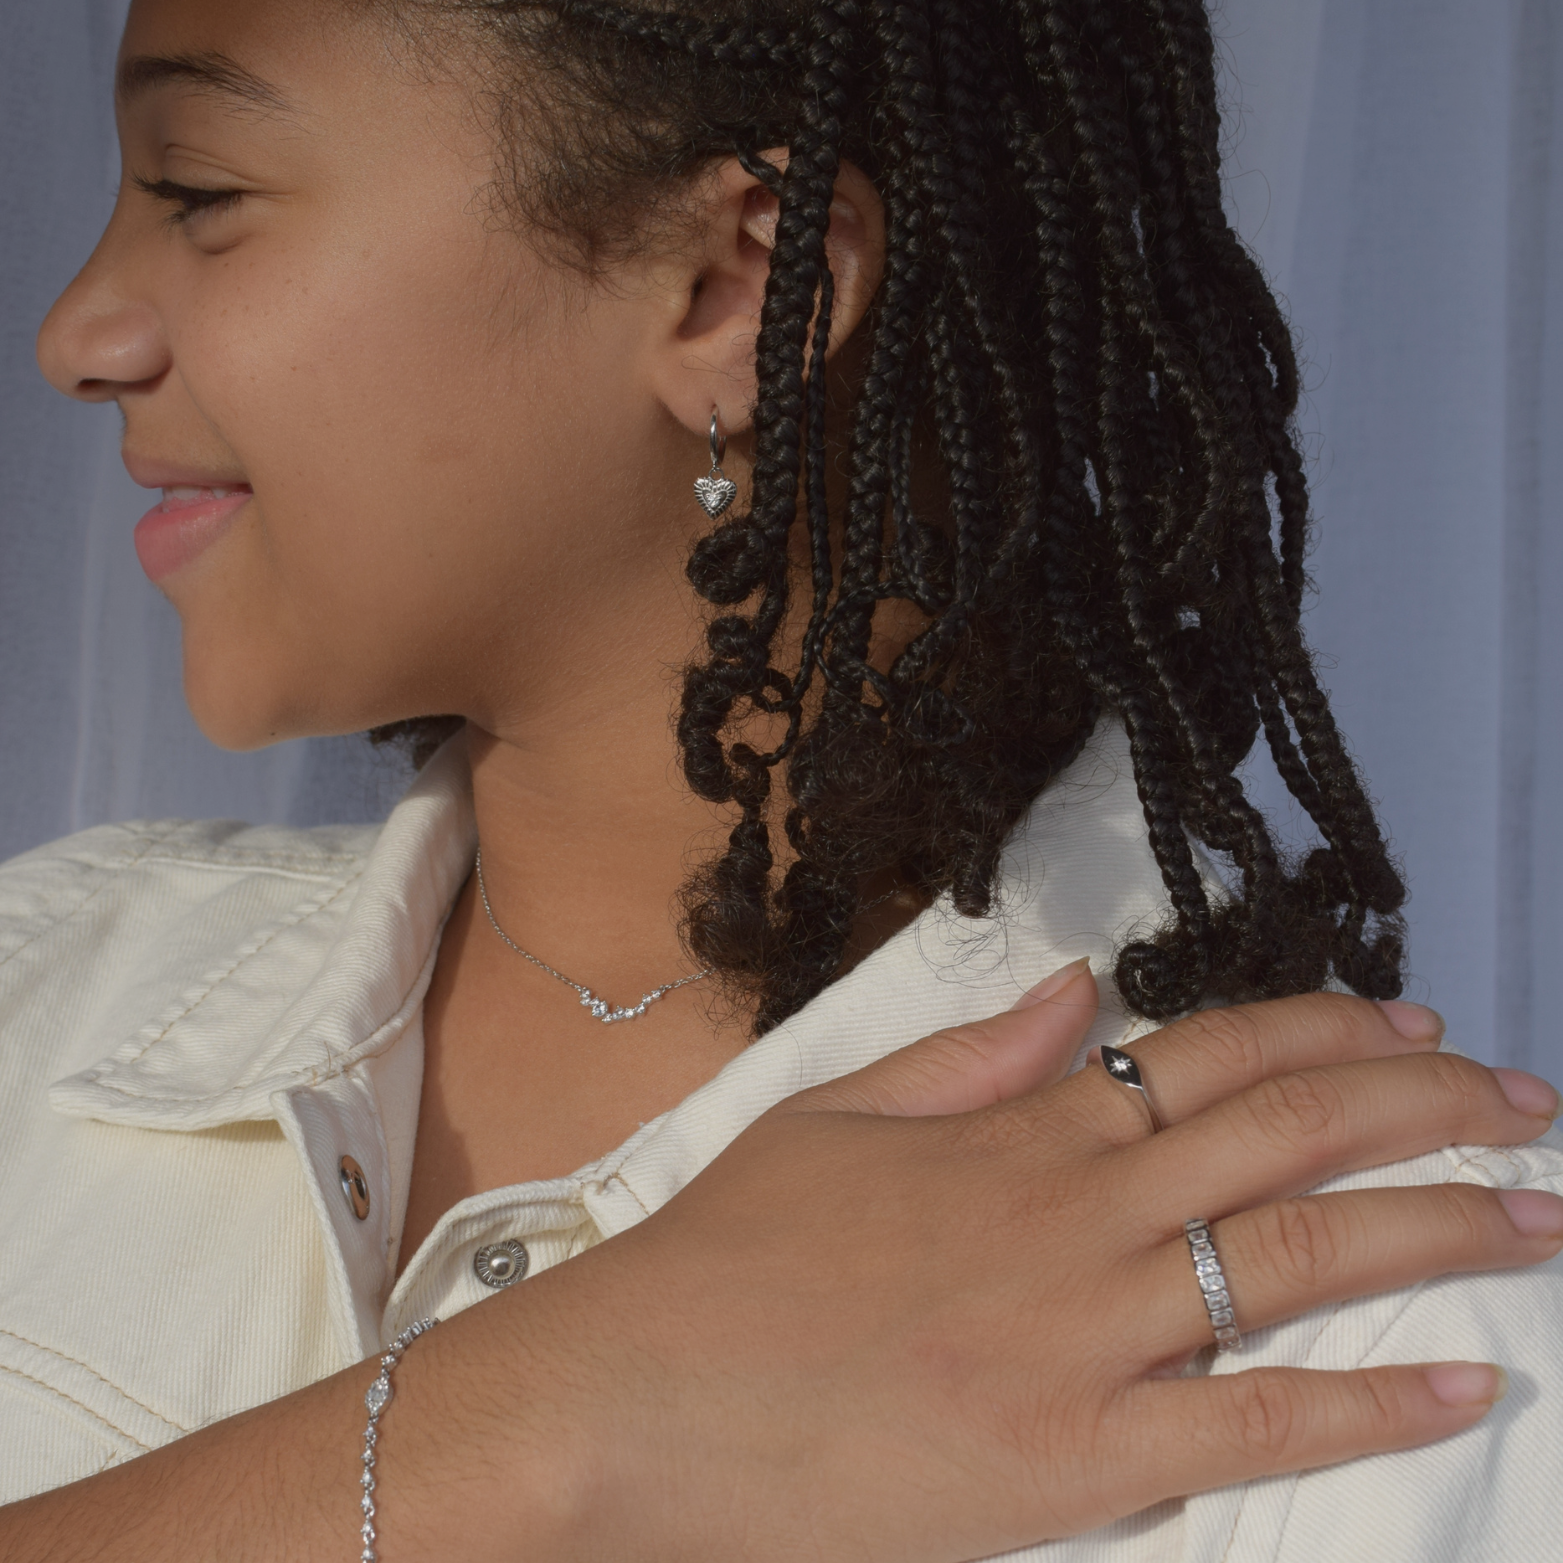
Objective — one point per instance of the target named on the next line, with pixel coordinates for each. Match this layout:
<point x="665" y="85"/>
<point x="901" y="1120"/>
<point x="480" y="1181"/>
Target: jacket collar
<point x="340" y="976"/>
<point x="334" y="978"/>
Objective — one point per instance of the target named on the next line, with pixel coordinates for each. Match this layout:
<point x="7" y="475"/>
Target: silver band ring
<point x="1212" y="1284"/>
<point x="1120" y="1066"/>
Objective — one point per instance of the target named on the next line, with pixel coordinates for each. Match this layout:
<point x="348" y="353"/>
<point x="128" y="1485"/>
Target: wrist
<point x="517" y="1439"/>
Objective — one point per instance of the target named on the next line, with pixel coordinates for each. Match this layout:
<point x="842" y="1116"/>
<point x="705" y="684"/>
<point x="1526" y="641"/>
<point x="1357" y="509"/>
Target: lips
<point x="187" y="521"/>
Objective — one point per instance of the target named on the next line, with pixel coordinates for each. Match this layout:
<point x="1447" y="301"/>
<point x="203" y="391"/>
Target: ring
<point x="1212" y="1284"/>
<point x="1122" y="1068"/>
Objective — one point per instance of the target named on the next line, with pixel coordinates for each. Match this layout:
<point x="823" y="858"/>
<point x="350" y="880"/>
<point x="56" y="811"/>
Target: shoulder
<point x="93" y="917"/>
<point x="1478" y="1496"/>
<point x="167" y="860"/>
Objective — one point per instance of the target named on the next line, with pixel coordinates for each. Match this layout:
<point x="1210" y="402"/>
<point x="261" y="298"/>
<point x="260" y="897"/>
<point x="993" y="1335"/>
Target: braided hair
<point x="1074" y="352"/>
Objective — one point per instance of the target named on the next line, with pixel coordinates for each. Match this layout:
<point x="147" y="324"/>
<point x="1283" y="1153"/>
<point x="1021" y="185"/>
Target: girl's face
<point x="414" y="467"/>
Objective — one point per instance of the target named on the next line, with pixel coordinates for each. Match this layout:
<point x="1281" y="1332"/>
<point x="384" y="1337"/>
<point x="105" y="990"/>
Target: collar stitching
<point x="105" y="871"/>
<point x="310" y="908"/>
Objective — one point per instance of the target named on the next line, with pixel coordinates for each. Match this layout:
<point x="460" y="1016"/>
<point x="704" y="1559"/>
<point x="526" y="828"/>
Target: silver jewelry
<point x="716" y="491"/>
<point x="377" y="1398"/>
<point x="1120" y="1066"/>
<point x="601" y="1008"/>
<point x="1212" y="1284"/>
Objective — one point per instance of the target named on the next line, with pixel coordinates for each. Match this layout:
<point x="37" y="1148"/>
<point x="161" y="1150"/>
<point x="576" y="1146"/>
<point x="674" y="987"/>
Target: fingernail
<point x="1054" y="984"/>
<point x="1468" y="1383"/>
<point x="1415" y="1022"/>
<point x="1534" y="1212"/>
<point x="1528" y="1093"/>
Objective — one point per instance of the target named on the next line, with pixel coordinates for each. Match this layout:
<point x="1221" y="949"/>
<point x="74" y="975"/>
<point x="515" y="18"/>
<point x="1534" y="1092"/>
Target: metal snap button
<point x="356" y="1186"/>
<point x="501" y="1264"/>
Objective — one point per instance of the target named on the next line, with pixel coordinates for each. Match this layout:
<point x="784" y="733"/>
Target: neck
<point x="587" y="834"/>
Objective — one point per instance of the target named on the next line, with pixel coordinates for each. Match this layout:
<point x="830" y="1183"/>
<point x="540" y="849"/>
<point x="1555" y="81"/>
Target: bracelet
<point x="377" y="1397"/>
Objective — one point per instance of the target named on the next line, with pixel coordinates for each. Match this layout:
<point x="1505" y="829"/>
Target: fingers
<point x="1205" y="1058"/>
<point x="1233" y="1427"/>
<point x="1290" y="1133"/>
<point x="1285" y="1258"/>
<point x="975" y="1065"/>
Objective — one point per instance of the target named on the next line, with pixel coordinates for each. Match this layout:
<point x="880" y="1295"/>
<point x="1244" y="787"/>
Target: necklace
<point x="601" y="1008"/>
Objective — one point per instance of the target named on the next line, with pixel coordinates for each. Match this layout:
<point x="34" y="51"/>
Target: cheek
<point x="359" y="395"/>
<point x="428" y="454"/>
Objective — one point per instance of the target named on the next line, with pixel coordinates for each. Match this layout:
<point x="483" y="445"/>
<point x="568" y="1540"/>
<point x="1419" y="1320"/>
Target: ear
<point x="705" y="355"/>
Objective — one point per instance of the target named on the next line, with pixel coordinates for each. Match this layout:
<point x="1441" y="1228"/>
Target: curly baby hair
<point x="1073" y="353"/>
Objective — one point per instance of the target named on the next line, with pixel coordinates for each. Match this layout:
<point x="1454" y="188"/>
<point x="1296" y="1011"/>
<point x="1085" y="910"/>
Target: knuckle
<point x="947" y="1048"/>
<point x="1301" y="1244"/>
<point x="1266" y="1413"/>
<point x="1468" y="1216"/>
<point x="956" y="1052"/>
<point x="1230" y="1039"/>
<point x="1380" y="1405"/>
<point x="1301" y="1112"/>
<point x="1467" y="1085"/>
<point x="960" y="1040"/>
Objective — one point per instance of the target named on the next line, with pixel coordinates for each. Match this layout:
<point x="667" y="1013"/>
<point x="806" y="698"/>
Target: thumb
<point x="971" y="1066"/>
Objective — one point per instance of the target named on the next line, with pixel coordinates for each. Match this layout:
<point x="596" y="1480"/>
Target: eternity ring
<point x="1122" y="1068"/>
<point x="1212" y="1284"/>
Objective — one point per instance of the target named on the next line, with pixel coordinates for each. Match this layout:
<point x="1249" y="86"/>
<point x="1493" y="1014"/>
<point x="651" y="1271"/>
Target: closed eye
<point x="188" y="200"/>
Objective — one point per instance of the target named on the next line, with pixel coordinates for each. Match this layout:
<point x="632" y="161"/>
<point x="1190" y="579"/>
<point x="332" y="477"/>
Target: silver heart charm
<point x="715" y="493"/>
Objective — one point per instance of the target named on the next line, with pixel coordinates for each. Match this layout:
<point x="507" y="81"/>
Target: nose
<point x="99" y="339"/>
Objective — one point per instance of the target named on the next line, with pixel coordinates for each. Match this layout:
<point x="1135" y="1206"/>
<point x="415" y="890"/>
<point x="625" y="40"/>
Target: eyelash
<point x="192" y="200"/>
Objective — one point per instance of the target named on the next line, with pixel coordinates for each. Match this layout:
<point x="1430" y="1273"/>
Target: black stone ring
<point x="1122" y="1068"/>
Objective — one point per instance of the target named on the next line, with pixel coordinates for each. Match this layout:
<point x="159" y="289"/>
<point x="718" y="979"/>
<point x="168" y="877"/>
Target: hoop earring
<point x="715" y="490"/>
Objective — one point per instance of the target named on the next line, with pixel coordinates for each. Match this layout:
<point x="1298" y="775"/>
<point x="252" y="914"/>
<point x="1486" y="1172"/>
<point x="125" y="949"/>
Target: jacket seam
<point x="222" y="977"/>
<point x="106" y="872"/>
<point x="335" y="1066"/>
<point x="59" y="1393"/>
<point x="86" y="1368"/>
<point x="306" y="868"/>
<point x="629" y="1188"/>
<point x="1237" y="1519"/>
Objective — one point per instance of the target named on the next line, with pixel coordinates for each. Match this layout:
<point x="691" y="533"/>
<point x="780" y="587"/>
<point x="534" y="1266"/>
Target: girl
<point x="874" y="393"/>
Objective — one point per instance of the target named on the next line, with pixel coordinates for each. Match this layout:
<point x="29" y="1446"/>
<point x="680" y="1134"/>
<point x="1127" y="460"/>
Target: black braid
<point x="1075" y="354"/>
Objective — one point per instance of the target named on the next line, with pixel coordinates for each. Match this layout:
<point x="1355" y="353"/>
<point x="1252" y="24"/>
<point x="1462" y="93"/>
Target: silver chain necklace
<point x="601" y="1008"/>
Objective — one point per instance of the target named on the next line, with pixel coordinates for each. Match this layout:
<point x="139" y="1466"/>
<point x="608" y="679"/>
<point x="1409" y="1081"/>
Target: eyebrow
<point x="204" y="72"/>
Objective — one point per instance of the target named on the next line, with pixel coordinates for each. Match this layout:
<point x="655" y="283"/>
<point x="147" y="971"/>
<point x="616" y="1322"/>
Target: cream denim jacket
<point x="198" y="1022"/>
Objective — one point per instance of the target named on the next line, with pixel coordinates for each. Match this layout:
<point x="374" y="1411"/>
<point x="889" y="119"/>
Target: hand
<point x="864" y="1335"/>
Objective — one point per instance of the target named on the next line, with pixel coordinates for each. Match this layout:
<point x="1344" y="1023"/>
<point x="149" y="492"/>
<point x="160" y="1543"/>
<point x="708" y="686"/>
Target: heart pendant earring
<point x="715" y="491"/>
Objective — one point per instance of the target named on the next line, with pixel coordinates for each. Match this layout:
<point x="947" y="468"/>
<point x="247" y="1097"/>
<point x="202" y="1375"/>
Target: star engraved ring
<point x="1212" y="1284"/>
<point x="1122" y="1068"/>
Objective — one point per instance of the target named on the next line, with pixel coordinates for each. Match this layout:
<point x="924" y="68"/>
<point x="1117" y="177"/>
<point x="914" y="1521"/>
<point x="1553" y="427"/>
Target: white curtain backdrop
<point x="1396" y="165"/>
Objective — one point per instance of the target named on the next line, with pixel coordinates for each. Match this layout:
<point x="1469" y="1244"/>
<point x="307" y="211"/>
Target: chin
<point x="251" y="680"/>
<point x="236" y="724"/>
<point x="238" y="708"/>
<point x="240" y="703"/>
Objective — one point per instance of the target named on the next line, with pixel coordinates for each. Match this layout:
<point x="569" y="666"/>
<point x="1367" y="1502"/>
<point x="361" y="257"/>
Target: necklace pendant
<point x="600" y="1009"/>
<point x="607" y="1014"/>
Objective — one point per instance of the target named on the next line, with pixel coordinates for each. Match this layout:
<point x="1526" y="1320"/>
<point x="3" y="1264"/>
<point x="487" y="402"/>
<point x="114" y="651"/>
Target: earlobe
<point x="707" y="359"/>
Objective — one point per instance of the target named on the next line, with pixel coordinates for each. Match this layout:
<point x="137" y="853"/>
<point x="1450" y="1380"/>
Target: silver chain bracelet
<point x="377" y="1397"/>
